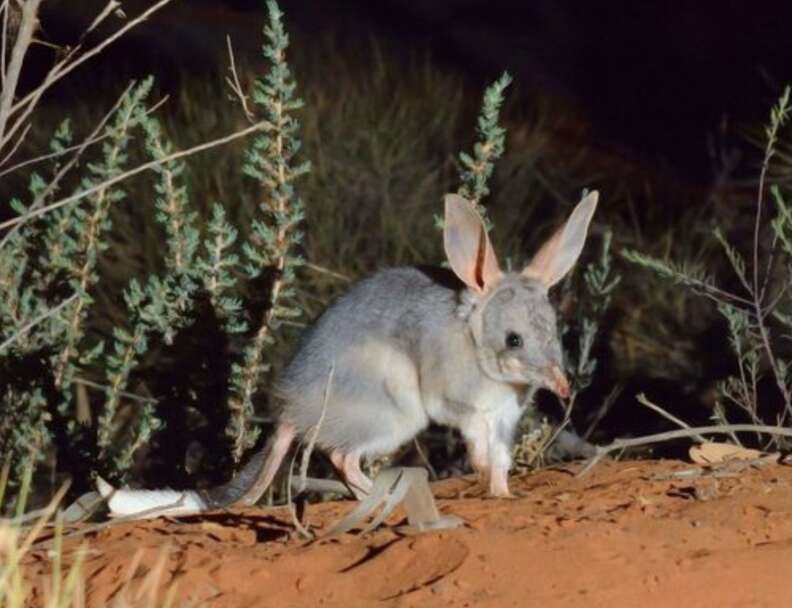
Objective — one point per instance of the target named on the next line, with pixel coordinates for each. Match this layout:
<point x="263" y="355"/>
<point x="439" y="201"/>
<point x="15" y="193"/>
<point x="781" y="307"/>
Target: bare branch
<point x="306" y="458"/>
<point x="110" y="7"/>
<point x="55" y="181"/>
<point x="25" y="106"/>
<point x="31" y="324"/>
<point x="328" y="272"/>
<point x="234" y="83"/>
<point x="667" y="415"/>
<point x="4" y="8"/>
<point x="11" y="78"/>
<point x="62" y="70"/>
<point x="94" y="138"/>
<point x="103" y="388"/>
<point x="720" y="429"/>
<point x="139" y="169"/>
<point x="18" y="143"/>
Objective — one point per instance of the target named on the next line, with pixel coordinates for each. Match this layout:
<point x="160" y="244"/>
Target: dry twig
<point x="720" y="429"/>
<point x="132" y="172"/>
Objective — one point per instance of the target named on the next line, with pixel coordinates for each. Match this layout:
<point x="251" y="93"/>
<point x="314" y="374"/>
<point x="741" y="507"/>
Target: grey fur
<point x="384" y="315"/>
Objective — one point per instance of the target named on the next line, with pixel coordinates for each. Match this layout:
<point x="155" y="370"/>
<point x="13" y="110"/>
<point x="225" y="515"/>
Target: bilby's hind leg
<point x="284" y="435"/>
<point x="357" y="478"/>
<point x="348" y="467"/>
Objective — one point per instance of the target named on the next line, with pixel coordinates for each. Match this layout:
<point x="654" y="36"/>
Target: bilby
<point x="407" y="346"/>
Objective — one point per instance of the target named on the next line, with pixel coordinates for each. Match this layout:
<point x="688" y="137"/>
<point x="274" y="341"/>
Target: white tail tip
<point x="147" y="504"/>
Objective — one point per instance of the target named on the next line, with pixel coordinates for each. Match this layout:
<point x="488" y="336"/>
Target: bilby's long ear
<point x="467" y="245"/>
<point x="558" y="255"/>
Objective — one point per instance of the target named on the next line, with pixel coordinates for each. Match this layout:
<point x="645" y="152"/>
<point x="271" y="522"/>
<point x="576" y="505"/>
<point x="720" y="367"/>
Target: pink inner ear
<point x="540" y="267"/>
<point x="467" y="245"/>
<point x="488" y="271"/>
<point x="558" y="255"/>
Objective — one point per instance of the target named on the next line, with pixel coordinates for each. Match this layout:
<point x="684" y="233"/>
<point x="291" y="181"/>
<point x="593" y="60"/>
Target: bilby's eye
<point x="514" y="340"/>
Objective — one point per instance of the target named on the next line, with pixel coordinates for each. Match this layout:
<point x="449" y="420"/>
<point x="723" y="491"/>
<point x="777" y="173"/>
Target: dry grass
<point x="40" y="566"/>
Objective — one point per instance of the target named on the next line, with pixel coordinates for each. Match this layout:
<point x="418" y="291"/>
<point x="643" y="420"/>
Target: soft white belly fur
<point x="402" y="414"/>
<point x="486" y="398"/>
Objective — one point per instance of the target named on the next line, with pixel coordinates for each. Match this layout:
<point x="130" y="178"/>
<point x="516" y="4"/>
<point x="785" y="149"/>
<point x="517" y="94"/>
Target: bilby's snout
<point x="557" y="382"/>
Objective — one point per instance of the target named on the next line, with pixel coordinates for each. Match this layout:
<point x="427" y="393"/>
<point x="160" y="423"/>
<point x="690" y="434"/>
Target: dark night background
<point x="652" y="79"/>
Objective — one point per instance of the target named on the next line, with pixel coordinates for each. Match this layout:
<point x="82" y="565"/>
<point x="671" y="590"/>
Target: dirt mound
<point x="656" y="533"/>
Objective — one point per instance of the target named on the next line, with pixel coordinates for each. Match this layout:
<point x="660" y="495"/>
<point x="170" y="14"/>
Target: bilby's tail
<point x="245" y="488"/>
<point x="143" y="504"/>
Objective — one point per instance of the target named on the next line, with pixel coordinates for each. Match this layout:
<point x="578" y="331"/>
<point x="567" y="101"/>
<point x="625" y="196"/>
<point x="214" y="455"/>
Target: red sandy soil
<point x="650" y="533"/>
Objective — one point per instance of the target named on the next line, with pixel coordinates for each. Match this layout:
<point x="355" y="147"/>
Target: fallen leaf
<point x="716" y="453"/>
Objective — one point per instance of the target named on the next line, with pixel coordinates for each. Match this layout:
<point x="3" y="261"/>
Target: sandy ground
<point x="652" y="533"/>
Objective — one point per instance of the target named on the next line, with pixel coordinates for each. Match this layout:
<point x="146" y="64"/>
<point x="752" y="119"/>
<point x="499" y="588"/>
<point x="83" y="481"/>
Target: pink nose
<point x="558" y="382"/>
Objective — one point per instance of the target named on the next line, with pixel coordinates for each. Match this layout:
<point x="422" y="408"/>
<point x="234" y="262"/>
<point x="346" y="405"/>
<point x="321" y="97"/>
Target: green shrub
<point x="754" y="312"/>
<point x="51" y="273"/>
